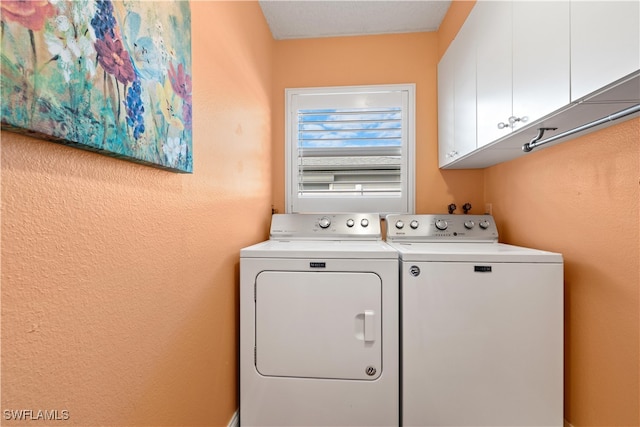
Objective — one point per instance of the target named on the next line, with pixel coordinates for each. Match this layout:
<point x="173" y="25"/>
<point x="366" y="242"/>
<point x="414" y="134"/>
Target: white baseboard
<point x="235" y="421"/>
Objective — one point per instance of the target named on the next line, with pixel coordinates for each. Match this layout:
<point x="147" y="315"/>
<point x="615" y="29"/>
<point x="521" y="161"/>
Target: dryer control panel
<point x="325" y="226"/>
<point x="441" y="228"/>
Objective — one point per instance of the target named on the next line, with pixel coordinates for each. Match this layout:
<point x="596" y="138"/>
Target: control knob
<point x="484" y="224"/>
<point x="441" y="224"/>
<point x="324" y="222"/>
<point x="414" y="224"/>
<point x="364" y="222"/>
<point x="399" y="224"/>
<point x="350" y="223"/>
<point x="469" y="225"/>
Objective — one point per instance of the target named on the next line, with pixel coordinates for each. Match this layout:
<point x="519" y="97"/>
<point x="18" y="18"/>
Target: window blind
<point x="348" y="149"/>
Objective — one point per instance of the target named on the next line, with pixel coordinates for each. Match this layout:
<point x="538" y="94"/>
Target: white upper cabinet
<point x="494" y="73"/>
<point x="542" y="69"/>
<point x="605" y="43"/>
<point x="541" y="66"/>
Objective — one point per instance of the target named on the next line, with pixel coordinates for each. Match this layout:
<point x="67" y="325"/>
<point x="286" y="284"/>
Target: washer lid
<point x="484" y="252"/>
<point x="340" y="249"/>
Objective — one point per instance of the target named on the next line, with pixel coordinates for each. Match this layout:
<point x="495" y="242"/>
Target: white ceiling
<point x="299" y="19"/>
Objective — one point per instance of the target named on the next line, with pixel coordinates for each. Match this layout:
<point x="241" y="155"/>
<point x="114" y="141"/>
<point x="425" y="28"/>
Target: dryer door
<point x="319" y="324"/>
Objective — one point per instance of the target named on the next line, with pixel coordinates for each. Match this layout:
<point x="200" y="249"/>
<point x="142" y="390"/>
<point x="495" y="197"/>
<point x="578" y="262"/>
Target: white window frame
<point x="345" y="203"/>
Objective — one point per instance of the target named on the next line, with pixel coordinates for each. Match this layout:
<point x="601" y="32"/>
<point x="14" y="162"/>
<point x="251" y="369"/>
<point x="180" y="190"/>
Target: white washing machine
<point x="482" y="325"/>
<point x="319" y="324"/>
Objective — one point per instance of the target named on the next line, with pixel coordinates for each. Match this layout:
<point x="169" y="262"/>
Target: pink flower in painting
<point x="31" y="14"/>
<point x="180" y="81"/>
<point x="115" y="59"/>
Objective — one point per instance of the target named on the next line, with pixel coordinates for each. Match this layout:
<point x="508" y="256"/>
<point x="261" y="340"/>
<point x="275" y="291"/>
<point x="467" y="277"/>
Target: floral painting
<point x="107" y="76"/>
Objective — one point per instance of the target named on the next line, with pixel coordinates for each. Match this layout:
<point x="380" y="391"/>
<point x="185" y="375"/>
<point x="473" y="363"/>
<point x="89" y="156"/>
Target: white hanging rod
<point x="535" y="142"/>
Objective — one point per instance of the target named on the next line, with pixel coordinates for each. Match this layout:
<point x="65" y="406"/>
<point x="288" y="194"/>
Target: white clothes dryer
<point x="319" y="320"/>
<point x="481" y="322"/>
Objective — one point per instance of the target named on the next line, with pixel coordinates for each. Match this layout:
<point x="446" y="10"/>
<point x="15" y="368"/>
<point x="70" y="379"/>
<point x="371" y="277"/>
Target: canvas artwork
<point x="107" y="76"/>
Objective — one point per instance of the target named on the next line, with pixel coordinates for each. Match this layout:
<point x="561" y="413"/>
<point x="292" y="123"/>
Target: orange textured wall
<point x="383" y="59"/>
<point x="581" y="198"/>
<point x="119" y="281"/>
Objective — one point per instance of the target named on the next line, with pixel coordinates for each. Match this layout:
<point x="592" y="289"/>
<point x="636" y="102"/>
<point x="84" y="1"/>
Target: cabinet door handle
<point x="512" y="122"/>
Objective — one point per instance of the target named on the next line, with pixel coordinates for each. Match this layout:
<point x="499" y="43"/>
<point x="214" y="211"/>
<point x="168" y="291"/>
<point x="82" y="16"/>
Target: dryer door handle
<point x="369" y="325"/>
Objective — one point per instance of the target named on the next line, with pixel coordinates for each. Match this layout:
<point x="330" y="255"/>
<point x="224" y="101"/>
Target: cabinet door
<point x="445" y="109"/>
<point x="605" y="43"/>
<point x="464" y="89"/>
<point x="494" y="74"/>
<point x="457" y="96"/>
<point x="540" y="59"/>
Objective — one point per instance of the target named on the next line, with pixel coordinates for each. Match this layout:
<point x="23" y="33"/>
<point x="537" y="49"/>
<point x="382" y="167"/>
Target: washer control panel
<point x="441" y="228"/>
<point x="356" y="226"/>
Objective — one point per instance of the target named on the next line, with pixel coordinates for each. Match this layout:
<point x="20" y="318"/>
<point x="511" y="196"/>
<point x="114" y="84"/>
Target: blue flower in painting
<point x="148" y="52"/>
<point x="104" y="22"/>
<point x="135" y="109"/>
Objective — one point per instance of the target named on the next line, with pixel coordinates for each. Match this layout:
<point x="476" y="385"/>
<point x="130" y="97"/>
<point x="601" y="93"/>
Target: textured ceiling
<point x="297" y="19"/>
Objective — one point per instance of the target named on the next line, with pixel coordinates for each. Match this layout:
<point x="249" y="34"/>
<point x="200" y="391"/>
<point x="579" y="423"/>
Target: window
<point x="350" y="149"/>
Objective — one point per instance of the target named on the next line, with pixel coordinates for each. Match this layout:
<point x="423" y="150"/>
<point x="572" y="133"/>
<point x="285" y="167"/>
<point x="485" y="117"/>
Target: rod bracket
<point x="530" y="145"/>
